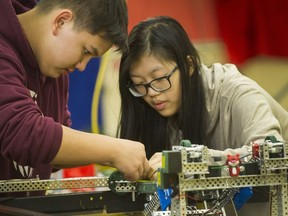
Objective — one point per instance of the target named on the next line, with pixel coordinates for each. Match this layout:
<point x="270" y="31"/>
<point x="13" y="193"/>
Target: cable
<point x="97" y="91"/>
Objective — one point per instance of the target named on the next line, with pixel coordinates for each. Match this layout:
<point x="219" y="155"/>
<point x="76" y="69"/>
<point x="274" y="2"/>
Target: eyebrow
<point x="94" y="51"/>
<point x="150" y="72"/>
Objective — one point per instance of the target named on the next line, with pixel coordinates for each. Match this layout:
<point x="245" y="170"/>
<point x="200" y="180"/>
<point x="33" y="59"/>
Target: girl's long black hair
<point x="164" y="38"/>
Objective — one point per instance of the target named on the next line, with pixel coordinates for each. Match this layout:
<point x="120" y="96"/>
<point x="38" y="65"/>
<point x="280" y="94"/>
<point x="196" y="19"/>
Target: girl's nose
<point x="152" y="92"/>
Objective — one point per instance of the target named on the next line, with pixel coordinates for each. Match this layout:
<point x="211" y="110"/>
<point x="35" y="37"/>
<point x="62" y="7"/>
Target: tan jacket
<point x="239" y="111"/>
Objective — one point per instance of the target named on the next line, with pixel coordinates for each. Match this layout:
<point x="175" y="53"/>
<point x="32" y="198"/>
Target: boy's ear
<point x="190" y="65"/>
<point x="61" y="18"/>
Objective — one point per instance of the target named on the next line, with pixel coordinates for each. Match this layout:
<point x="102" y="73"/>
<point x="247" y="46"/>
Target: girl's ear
<point x="190" y="65"/>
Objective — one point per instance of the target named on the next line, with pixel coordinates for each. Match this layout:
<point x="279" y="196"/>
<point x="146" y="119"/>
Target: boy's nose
<point x="81" y="65"/>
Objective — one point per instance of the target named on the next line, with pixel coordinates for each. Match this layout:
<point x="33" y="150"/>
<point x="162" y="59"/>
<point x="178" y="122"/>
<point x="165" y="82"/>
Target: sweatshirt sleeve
<point x="26" y="136"/>
<point x="244" y="113"/>
<point x="246" y="116"/>
<point x="251" y="113"/>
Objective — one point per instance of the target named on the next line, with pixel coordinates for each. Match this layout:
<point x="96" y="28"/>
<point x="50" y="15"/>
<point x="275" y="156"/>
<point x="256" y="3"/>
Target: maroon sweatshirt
<point x="32" y="107"/>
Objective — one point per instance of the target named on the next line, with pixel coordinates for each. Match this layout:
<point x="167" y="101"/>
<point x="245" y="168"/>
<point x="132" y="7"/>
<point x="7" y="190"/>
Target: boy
<point x="39" y="46"/>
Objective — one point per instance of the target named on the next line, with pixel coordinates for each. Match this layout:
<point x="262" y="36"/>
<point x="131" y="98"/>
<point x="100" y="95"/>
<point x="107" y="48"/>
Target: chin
<point x="51" y="74"/>
<point x="165" y="114"/>
<point x="54" y="74"/>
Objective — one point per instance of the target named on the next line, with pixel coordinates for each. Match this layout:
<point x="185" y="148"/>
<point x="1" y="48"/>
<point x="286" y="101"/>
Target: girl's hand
<point x="155" y="163"/>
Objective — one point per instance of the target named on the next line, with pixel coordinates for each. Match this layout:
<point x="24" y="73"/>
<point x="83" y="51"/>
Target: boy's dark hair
<point x="165" y="39"/>
<point x="108" y="18"/>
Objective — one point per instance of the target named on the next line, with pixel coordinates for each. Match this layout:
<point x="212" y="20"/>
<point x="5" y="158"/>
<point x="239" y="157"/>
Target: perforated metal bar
<point x="21" y="185"/>
<point x="226" y="182"/>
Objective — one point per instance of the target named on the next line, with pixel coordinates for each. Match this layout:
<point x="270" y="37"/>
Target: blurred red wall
<point x="196" y="16"/>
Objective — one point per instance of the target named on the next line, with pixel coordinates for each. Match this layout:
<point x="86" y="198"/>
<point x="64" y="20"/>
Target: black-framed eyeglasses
<point x="160" y="84"/>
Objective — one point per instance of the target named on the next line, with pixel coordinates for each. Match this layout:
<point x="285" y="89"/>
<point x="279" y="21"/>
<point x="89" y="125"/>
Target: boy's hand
<point x="131" y="159"/>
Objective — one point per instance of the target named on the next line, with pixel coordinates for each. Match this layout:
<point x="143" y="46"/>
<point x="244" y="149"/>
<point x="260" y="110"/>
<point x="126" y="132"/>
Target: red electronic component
<point x="255" y="150"/>
<point x="233" y="162"/>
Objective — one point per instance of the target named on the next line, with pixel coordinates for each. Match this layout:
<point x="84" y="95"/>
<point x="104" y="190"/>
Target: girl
<point x="168" y="95"/>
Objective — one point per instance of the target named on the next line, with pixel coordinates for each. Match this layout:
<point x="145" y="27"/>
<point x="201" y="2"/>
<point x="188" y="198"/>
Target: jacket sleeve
<point x="26" y="136"/>
<point x="247" y="114"/>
